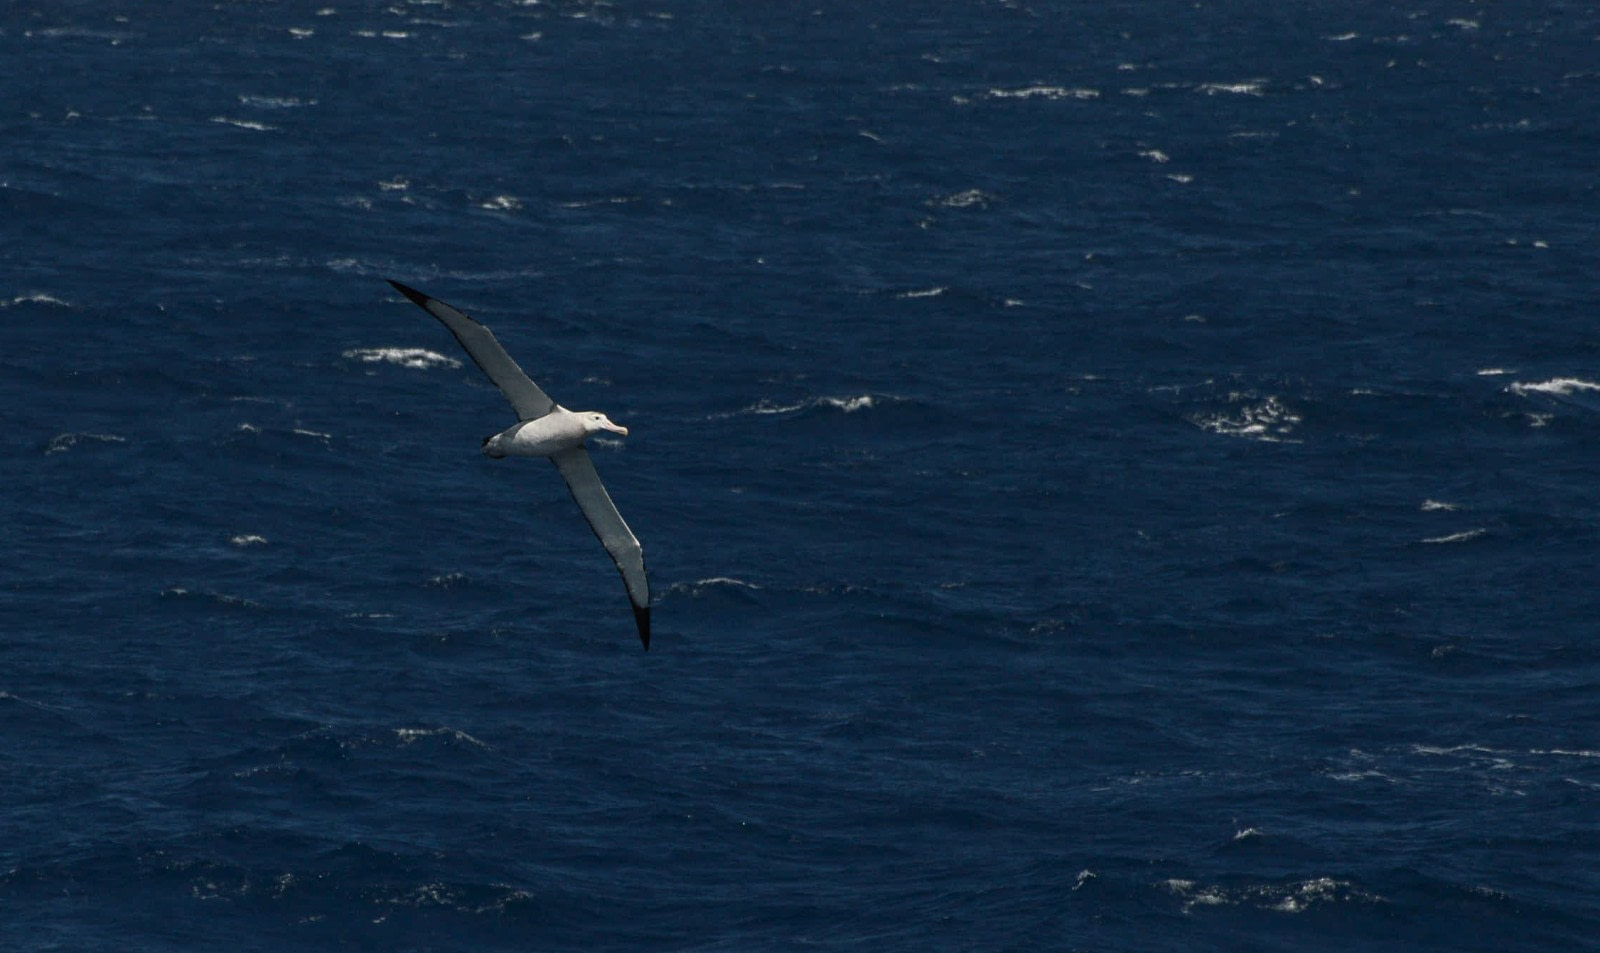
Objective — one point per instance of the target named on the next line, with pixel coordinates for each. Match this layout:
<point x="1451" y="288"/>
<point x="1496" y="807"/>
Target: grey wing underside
<point x="578" y="470"/>
<point x="526" y="398"/>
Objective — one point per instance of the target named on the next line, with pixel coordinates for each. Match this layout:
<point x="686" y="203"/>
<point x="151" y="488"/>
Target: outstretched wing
<point x="526" y="398"/>
<point x="578" y="470"/>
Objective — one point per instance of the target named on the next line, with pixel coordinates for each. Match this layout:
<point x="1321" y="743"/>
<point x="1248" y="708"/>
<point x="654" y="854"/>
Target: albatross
<point x="544" y="428"/>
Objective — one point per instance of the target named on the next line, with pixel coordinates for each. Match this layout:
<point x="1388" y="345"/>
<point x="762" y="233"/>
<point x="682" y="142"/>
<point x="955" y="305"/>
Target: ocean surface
<point x="1115" y="476"/>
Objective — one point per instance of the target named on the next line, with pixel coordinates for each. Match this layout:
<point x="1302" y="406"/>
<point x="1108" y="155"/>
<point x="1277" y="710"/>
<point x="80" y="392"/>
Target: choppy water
<point x="1115" y="476"/>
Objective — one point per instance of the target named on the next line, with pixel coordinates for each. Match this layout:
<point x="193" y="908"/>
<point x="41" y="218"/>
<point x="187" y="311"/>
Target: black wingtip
<point x="642" y="616"/>
<point x="416" y="296"/>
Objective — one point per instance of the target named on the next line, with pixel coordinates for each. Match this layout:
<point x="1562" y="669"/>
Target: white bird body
<point x="546" y="429"/>
<point x="560" y="429"/>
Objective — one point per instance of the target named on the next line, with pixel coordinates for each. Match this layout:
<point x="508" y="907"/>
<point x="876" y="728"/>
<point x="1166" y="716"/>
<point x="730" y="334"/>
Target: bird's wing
<point x="526" y="398"/>
<point x="619" y="541"/>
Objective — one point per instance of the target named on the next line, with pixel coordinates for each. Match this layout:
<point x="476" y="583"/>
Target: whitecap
<point x="1045" y="92"/>
<point x="700" y="587"/>
<point x="1295" y="897"/>
<point x="414" y="357"/>
<point x="501" y="203"/>
<point x="1254" y="87"/>
<point x="1268" y="420"/>
<point x="39" y="297"/>
<point x="969" y="199"/>
<point x="275" y="102"/>
<point x="410" y="735"/>
<point x="848" y="405"/>
<point x="1430" y="506"/>
<point x="248" y="539"/>
<point x="1156" y="156"/>
<point x="1558" y="385"/>
<point x="61" y="443"/>
<point x="924" y="293"/>
<point x="1460" y="537"/>
<point x="244" y="124"/>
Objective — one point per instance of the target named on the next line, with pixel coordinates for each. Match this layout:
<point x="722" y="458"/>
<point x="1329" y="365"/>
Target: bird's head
<point x="594" y="422"/>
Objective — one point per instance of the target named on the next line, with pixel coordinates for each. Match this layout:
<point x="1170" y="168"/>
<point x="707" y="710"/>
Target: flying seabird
<point x="544" y="428"/>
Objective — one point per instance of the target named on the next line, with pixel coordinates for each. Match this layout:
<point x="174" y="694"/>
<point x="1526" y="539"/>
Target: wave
<point x="1045" y="92"/>
<point x="1460" y="537"/>
<point x="1268" y="420"/>
<point x="412" y="735"/>
<point x="714" y="584"/>
<point x="250" y="124"/>
<point x="61" y="443"/>
<point x="274" y="102"/>
<point x="39" y="297"/>
<point x="1293" y="897"/>
<point x="847" y="405"/>
<point x="1255" y="87"/>
<point x="971" y="198"/>
<point x="413" y="357"/>
<point x="1558" y="386"/>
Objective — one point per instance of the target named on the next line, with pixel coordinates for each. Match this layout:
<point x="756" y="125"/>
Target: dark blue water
<point x="1116" y="476"/>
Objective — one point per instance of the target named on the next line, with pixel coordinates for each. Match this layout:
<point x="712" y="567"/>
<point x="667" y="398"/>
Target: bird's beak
<point x="616" y="428"/>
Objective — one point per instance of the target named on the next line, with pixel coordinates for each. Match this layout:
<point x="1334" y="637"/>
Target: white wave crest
<point x="415" y="357"/>
<point x="1268" y="420"/>
<point x="248" y="539"/>
<point x="764" y="408"/>
<point x="1045" y="92"/>
<point x="37" y="297"/>
<point x="703" y="586"/>
<point x="501" y="203"/>
<point x="1251" y="88"/>
<point x="971" y="198"/>
<point x="61" y="443"/>
<point x="1461" y="536"/>
<point x="244" y="124"/>
<point x="275" y="102"/>
<point x="1558" y="385"/>
<point x="1279" y="898"/>
<point x="411" y="735"/>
